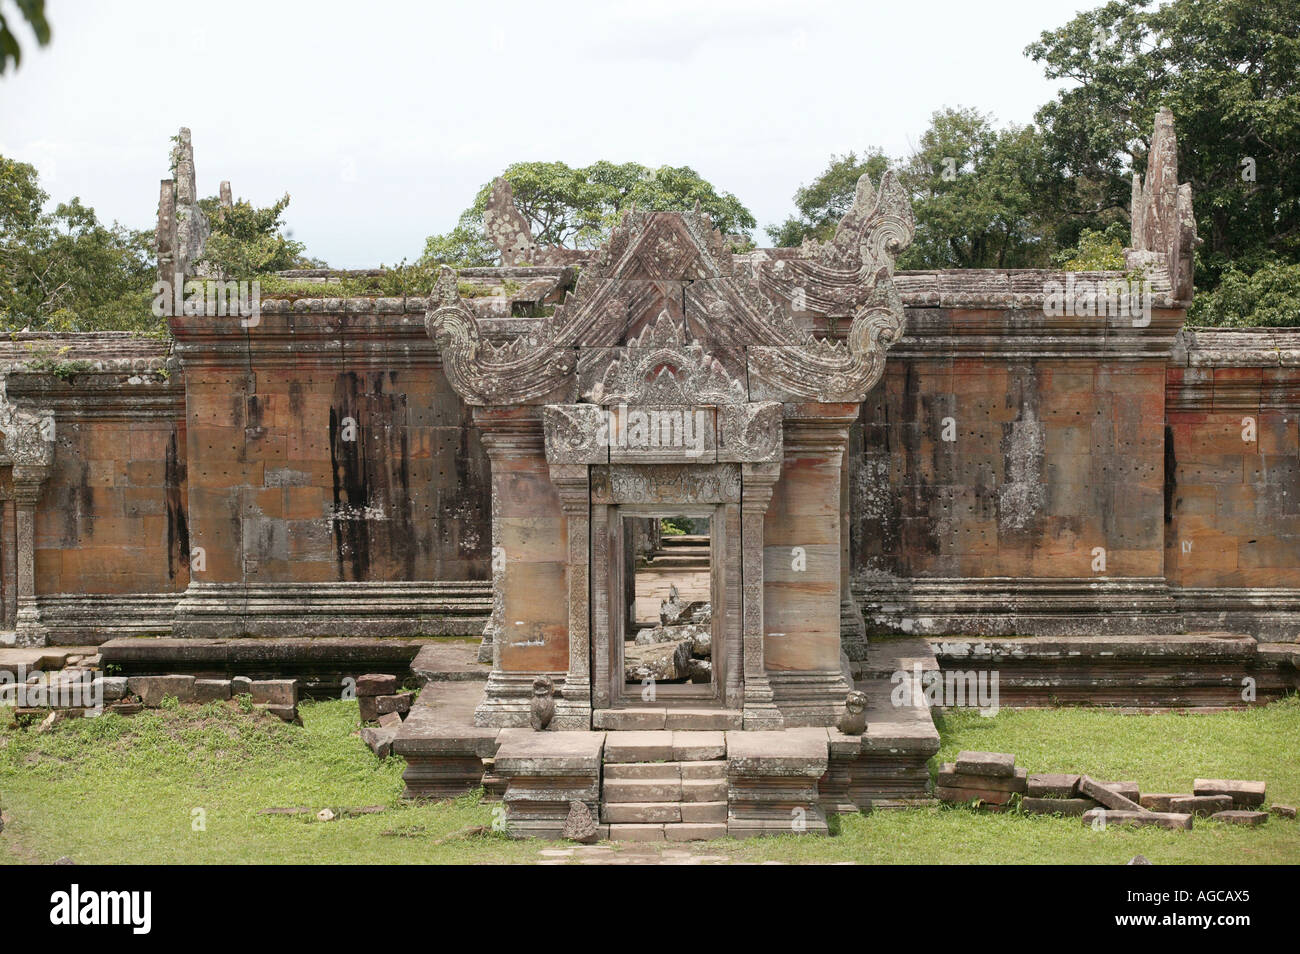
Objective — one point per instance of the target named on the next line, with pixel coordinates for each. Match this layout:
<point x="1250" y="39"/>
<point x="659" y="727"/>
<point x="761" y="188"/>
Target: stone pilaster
<point x="27" y="482"/>
<point x="573" y="708"/>
<point x="757" y="480"/>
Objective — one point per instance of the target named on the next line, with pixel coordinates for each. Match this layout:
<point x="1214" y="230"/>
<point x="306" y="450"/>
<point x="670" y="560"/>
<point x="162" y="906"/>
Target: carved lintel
<point x="751" y="432"/>
<point x="576" y="434"/>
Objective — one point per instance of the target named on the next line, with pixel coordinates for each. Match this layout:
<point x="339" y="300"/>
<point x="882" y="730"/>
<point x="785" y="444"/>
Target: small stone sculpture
<point x="543" y="706"/>
<point x="854" y="720"/>
<point x="579" y="826"/>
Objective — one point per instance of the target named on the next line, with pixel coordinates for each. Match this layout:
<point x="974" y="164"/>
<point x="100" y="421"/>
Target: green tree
<point x="1230" y="71"/>
<point x="33" y="11"/>
<point x="974" y="192"/>
<point x="576" y="208"/>
<point x="823" y="203"/>
<point x="65" y="270"/>
<point x="247" y="241"/>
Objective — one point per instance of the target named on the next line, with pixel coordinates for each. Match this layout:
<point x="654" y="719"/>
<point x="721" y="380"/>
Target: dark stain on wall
<point x="1171" y="480"/>
<point x="178" y="534"/>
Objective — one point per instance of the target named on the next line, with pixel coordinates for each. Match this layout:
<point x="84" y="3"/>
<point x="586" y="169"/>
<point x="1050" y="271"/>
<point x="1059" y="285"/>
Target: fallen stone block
<point x="400" y="703"/>
<point x="111" y="688"/>
<point x="1202" y="806"/>
<point x="153" y="689"/>
<point x="1108" y="797"/>
<point x="966" y="793"/>
<point x="1159" y="801"/>
<point x="1139" y="819"/>
<point x="1069" y="807"/>
<point x="997" y="764"/>
<point x="390" y="719"/>
<point x="275" y="692"/>
<point x="1238" y="817"/>
<point x="1128" y="789"/>
<point x="376" y="684"/>
<point x="124" y="707"/>
<point x="950" y="777"/>
<point x="1284" y="811"/>
<point x="211" y="690"/>
<point x="1244" y="794"/>
<point x="379" y="739"/>
<point x="368" y="708"/>
<point x="1052" y="785"/>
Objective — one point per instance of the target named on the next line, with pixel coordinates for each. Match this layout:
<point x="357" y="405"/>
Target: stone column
<point x="27" y="480"/>
<point x="853" y="630"/>
<point x="525" y="566"/>
<point x="573" y="708"/>
<point x="757" y="480"/>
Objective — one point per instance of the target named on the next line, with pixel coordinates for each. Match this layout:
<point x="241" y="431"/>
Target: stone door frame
<point x="607" y="653"/>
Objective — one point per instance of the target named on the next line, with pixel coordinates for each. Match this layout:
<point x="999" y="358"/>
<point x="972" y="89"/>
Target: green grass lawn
<point x="117" y="789"/>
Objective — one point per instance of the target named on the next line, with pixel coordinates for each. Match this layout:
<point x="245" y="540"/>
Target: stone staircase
<point x="664" y="785"/>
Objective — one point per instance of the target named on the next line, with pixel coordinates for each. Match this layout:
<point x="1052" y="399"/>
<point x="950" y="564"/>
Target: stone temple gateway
<point x="887" y="475"/>
<point x="673" y="377"/>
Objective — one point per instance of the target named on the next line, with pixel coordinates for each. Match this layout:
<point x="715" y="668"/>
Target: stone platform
<point x="1131" y="671"/>
<point x="677" y="774"/>
<point x="319" y="663"/>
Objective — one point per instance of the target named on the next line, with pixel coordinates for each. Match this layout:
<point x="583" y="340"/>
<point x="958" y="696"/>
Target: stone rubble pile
<point x="83" y="692"/>
<point x="379" y="701"/>
<point x="991" y="779"/>
<point x="678" y="649"/>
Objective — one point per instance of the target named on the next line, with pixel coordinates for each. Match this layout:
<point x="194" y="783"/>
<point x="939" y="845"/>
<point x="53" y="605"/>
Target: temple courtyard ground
<point x="190" y="784"/>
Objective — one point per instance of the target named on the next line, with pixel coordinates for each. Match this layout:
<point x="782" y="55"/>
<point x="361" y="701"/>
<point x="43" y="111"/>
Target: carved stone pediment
<point x="28" y="436"/>
<point x="737" y="328"/>
<point x="659" y="367"/>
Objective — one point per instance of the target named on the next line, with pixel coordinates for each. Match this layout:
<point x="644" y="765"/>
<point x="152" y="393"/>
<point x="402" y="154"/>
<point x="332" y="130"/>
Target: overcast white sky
<point x="383" y="119"/>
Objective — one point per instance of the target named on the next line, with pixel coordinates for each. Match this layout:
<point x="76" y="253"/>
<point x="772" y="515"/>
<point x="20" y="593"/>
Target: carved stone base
<point x="573" y="708"/>
<point x="853" y="631"/>
<point x="433" y="608"/>
<point x="996" y="606"/>
<point x="814" y="698"/>
<point x="508" y="698"/>
<point x="487" y="647"/>
<point x="760" y="711"/>
<point x="29" y="630"/>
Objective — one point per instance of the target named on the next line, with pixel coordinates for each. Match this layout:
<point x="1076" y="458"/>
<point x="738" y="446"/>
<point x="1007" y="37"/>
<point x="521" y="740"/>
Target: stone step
<point x="641" y="813"/>
<point x="665" y="746"/>
<point x="655" y="718"/>
<point x="703" y="790"/>
<point x="643" y="771"/>
<point x="642" y="790"/>
<point x="666" y="771"/>
<point x="669" y="832"/>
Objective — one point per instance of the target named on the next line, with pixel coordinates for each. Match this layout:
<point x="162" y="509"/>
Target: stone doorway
<point x="662" y="648"/>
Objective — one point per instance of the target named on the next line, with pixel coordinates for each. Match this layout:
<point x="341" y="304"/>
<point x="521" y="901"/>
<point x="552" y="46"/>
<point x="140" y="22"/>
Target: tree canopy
<point x="576" y="208"/>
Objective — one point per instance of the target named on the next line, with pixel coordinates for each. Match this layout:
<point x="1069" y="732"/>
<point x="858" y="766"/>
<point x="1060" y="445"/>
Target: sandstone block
<point x="211" y="690"/>
<point x="997" y="764"/>
<point x="275" y="692"/>
<point x="1202" y="806"/>
<point x="1247" y="818"/>
<point x="1245" y="794"/>
<point x="1069" y="807"/>
<point x="380" y="740"/>
<point x="153" y="689"/>
<point x="376" y="684"/>
<point x="1108" y="797"/>
<point x="400" y="703"/>
<point x="1052" y="785"/>
<point x="1159" y="801"/>
<point x="1140" y="819"/>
